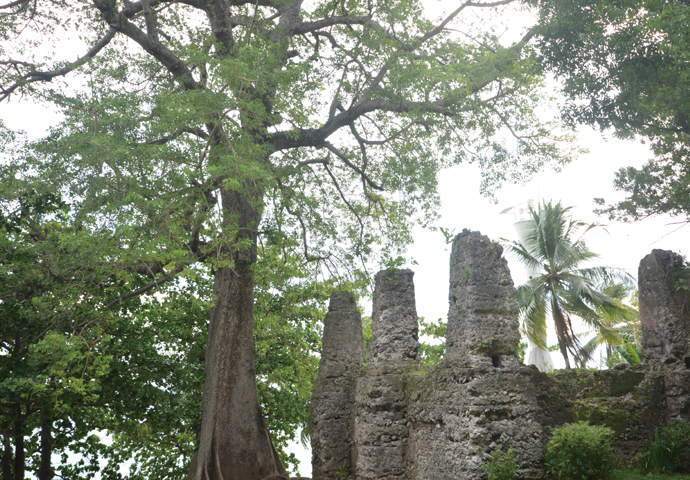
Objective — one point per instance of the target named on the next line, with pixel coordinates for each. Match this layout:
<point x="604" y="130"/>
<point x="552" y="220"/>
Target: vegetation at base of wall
<point x="669" y="452"/>
<point x="580" y="451"/>
<point x="502" y="465"/>
<point x="636" y="475"/>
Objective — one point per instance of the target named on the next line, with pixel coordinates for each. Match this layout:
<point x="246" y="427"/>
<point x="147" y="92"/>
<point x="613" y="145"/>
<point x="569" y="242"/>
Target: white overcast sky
<point x="619" y="245"/>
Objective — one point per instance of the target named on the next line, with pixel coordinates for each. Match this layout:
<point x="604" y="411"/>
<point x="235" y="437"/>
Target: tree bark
<point x="561" y="329"/>
<point x="45" y="470"/>
<point x="234" y="443"/>
<point x="7" y="457"/>
<point x="19" y="456"/>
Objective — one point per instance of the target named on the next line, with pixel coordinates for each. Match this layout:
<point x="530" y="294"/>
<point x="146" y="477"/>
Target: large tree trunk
<point x="19" y="459"/>
<point x="45" y="470"/>
<point x="6" y="457"/>
<point x="234" y="443"/>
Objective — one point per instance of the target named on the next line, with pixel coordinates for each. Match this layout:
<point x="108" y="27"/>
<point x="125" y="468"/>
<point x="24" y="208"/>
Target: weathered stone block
<point x="483" y="323"/>
<point x="665" y="309"/>
<point x="381" y="428"/>
<point x="332" y="402"/>
<point x="395" y="328"/>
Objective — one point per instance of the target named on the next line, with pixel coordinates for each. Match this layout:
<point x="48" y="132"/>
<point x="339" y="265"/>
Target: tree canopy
<point x="225" y="138"/>
<point x="625" y="65"/>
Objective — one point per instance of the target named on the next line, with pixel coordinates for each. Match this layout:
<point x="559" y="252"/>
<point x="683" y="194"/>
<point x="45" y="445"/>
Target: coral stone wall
<point x="665" y="309"/>
<point x="399" y="420"/>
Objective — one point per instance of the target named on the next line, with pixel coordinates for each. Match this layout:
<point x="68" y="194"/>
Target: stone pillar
<point x="483" y="327"/>
<point x="395" y="329"/>
<point x="665" y="309"/>
<point x="381" y="424"/>
<point x="332" y="401"/>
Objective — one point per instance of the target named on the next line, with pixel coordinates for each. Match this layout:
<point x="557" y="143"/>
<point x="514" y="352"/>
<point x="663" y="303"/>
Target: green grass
<point x="635" y="475"/>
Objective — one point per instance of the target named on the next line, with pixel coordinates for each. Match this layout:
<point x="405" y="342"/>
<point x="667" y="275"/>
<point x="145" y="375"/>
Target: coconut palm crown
<point x="554" y="245"/>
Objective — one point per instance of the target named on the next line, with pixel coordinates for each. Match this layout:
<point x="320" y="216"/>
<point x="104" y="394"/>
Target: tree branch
<point x="148" y="20"/>
<point x="164" y="279"/>
<point x="167" y="138"/>
<point x="168" y="59"/>
<point x="304" y="163"/>
<point x="308" y="27"/>
<point x="36" y="76"/>
<point x="342" y="196"/>
<point x="315" y="137"/>
<point x="13" y="4"/>
<point x="354" y="167"/>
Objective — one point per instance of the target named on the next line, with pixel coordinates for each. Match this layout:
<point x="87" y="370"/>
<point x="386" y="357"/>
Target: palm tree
<point x="554" y="246"/>
<point x="624" y="322"/>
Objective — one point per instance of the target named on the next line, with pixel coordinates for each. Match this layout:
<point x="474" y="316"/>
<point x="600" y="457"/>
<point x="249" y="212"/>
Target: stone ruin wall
<point x="399" y="420"/>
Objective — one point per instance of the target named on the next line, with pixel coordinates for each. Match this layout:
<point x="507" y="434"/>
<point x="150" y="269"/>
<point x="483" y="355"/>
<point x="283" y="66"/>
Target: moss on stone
<point x="601" y="411"/>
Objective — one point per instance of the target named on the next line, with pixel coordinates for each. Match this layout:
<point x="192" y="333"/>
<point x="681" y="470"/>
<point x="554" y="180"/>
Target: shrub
<point x="659" y="457"/>
<point x="668" y="452"/>
<point x="579" y="451"/>
<point x="502" y="465"/>
<point x="677" y="435"/>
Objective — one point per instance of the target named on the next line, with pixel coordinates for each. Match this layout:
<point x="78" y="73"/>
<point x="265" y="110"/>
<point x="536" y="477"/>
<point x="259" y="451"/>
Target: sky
<point x="619" y="245"/>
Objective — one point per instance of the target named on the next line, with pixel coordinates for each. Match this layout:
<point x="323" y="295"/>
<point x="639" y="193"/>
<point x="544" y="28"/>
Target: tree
<point x="68" y="370"/>
<point x="624" y="65"/>
<point x="555" y="246"/>
<point x="207" y="126"/>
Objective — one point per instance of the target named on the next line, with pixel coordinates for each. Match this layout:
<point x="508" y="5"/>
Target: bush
<point x="677" y="435"/>
<point x="670" y="451"/>
<point x="502" y="465"/>
<point x="579" y="451"/>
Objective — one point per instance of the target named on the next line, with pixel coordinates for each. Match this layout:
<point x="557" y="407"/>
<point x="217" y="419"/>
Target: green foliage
<point x="622" y="64"/>
<point x="502" y="465"/>
<point x="140" y="372"/>
<point x="554" y="245"/>
<point x="659" y="458"/>
<point x="670" y="452"/>
<point x="521" y="351"/>
<point x="580" y="451"/>
<point x="621" y="328"/>
<point x="636" y="475"/>
<point x="433" y="353"/>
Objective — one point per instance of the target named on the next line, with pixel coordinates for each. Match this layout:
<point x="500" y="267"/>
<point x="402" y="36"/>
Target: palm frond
<point x="532" y="301"/>
<point x="525" y="256"/>
<point x="604" y="276"/>
<point x="629" y="353"/>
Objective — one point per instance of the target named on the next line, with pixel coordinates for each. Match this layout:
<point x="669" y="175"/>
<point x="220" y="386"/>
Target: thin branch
<point x="13" y="4"/>
<point x="386" y="140"/>
<point x="309" y="27"/>
<point x="314" y="137"/>
<point x="164" y="279"/>
<point x="354" y="167"/>
<point x="334" y="103"/>
<point x="330" y="38"/>
<point x="167" y="138"/>
<point x="342" y="196"/>
<point x="36" y="76"/>
<point x="304" y="163"/>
